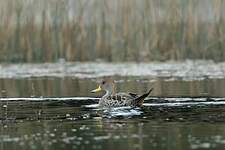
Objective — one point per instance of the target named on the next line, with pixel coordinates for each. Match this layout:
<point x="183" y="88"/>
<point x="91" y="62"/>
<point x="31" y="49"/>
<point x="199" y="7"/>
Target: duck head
<point x="107" y="85"/>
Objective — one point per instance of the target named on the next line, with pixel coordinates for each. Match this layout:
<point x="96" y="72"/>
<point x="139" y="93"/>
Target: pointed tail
<point x="139" y="101"/>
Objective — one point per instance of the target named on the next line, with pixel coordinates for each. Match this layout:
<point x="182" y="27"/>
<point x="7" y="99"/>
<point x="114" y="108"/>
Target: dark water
<point x="52" y="110"/>
<point x="75" y="123"/>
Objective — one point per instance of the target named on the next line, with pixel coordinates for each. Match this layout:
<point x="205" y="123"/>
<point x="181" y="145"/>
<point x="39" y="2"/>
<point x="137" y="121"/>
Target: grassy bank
<point x="112" y="30"/>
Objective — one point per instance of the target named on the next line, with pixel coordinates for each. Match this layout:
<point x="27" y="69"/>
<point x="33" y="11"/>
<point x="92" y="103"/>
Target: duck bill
<point x="97" y="90"/>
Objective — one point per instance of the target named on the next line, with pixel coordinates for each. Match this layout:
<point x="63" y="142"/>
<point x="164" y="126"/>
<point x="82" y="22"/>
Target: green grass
<point x="111" y="30"/>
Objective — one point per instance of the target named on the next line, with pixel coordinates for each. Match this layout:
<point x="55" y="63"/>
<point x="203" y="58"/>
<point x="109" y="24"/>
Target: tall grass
<point x="111" y="30"/>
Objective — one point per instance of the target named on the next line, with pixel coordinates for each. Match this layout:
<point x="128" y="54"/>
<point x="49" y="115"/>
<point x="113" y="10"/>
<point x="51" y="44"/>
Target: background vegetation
<point x="111" y="30"/>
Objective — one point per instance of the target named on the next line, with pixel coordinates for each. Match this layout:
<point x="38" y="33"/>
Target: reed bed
<point x="111" y="30"/>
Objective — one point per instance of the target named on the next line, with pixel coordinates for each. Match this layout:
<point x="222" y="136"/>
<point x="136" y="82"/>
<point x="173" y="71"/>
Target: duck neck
<point x="107" y="94"/>
<point x="110" y="92"/>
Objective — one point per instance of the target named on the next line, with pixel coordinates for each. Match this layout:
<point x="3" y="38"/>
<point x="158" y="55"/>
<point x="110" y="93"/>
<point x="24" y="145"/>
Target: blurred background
<point x="63" y="48"/>
<point x="111" y="30"/>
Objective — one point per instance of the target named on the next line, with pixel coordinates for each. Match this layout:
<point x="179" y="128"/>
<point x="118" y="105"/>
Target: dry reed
<point x="111" y="30"/>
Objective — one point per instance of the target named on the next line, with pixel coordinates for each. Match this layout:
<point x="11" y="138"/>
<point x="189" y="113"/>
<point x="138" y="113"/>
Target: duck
<point x="113" y="99"/>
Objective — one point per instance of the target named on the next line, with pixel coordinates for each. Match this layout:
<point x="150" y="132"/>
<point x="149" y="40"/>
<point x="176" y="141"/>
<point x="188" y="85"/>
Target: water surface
<point x="52" y="108"/>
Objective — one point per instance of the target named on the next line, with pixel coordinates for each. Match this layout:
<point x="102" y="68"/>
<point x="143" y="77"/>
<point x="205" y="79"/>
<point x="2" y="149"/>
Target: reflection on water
<point x="67" y="87"/>
<point x="111" y="134"/>
<point x="97" y="132"/>
<point x="163" y="123"/>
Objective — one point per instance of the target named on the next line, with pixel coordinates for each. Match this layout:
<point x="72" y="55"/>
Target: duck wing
<point x="134" y="95"/>
<point x="127" y="99"/>
<point x="122" y="96"/>
<point x="139" y="100"/>
<point x="119" y="99"/>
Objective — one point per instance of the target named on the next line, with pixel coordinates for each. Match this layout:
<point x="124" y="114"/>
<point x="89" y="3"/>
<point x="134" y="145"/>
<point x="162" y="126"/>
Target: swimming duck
<point x="113" y="99"/>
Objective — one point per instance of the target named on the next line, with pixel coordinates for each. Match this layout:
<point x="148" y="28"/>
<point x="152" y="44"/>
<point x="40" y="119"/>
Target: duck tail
<point x="139" y="101"/>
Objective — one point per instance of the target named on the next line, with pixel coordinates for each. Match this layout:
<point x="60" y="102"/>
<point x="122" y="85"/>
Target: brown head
<point x="107" y="85"/>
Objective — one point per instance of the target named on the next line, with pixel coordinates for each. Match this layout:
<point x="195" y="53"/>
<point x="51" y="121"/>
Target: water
<point x="51" y="107"/>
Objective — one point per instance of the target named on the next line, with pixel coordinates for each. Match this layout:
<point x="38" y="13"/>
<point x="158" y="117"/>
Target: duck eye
<point x="103" y="82"/>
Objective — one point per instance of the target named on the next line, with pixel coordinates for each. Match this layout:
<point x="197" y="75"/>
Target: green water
<point x="110" y="134"/>
<point x="72" y="124"/>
